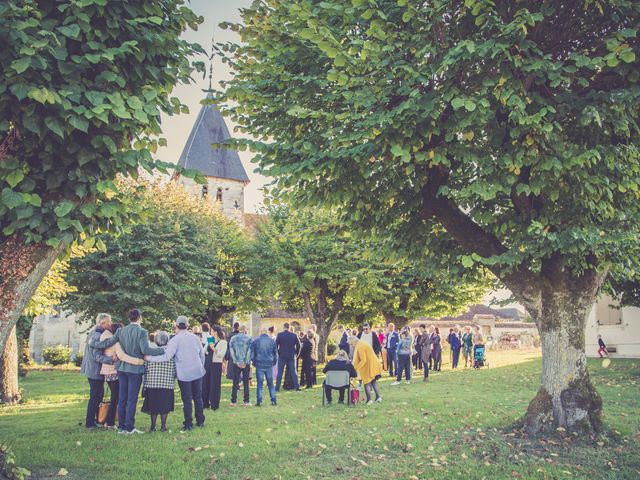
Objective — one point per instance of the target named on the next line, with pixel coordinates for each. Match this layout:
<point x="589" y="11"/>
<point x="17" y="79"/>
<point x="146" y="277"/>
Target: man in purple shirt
<point x="186" y="350"/>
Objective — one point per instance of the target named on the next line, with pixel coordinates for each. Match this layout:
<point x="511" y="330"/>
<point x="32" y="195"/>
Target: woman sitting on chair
<point x="339" y="364"/>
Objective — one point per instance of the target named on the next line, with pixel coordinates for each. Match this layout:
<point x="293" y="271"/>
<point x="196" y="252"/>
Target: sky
<point x="176" y="129"/>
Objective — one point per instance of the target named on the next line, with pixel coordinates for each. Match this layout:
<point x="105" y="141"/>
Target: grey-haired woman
<point x="159" y="381"/>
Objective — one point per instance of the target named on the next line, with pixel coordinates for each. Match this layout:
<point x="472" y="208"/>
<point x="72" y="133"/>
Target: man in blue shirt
<point x="186" y="350"/>
<point x="240" y="347"/>
<point x="264" y="356"/>
<point x="391" y="344"/>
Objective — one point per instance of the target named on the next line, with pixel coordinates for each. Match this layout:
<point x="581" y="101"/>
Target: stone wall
<point x="232" y="192"/>
<point x="58" y="329"/>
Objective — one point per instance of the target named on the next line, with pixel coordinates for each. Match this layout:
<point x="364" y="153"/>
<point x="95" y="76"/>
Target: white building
<point x="619" y="327"/>
<point x="57" y="329"/>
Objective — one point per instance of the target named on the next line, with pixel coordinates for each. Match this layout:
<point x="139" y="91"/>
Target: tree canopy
<point x="84" y="83"/>
<point x="184" y="258"/>
<point x="512" y="125"/>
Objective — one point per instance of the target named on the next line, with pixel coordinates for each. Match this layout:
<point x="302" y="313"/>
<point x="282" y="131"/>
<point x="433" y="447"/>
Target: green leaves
<point x="71" y="31"/>
<point x="63" y="208"/>
<point x="66" y="72"/>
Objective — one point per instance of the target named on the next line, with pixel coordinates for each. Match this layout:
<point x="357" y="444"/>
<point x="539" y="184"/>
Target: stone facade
<point x="57" y="329"/>
<point x="228" y="194"/>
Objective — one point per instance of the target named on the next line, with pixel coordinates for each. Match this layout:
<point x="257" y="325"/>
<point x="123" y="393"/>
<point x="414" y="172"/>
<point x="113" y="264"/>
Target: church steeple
<point x="225" y="174"/>
<point x="198" y="154"/>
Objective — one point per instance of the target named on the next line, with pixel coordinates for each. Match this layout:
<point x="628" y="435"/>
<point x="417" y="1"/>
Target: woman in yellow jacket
<point x="368" y="367"/>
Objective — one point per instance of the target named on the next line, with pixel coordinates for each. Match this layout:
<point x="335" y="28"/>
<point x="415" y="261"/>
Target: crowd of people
<point x="127" y="358"/>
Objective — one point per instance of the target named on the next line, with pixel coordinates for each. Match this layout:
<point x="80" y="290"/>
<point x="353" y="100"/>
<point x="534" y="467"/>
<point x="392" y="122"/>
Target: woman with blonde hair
<point x="368" y="367"/>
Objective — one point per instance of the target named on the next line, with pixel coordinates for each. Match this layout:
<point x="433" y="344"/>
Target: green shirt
<point x="467" y="340"/>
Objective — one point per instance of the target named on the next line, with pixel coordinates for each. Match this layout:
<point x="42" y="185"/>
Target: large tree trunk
<point x="9" y="391"/>
<point x="566" y="397"/>
<point x="398" y="320"/>
<point x="323" y="318"/>
<point x="22" y="268"/>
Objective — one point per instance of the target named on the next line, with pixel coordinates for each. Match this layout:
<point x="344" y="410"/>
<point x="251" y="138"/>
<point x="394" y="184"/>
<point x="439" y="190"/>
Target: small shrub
<point x="8" y="467"/>
<point x="56" y="354"/>
<point x="77" y="360"/>
<point x="332" y="347"/>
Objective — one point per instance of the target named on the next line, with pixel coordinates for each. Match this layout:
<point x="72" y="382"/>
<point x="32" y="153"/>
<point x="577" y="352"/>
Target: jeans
<point x="291" y="363"/>
<point x="392" y="361"/>
<point x="191" y="393"/>
<point x="455" y="353"/>
<point x="216" y="384"/>
<point x="114" y="389"/>
<point x="404" y="364"/>
<point x="237" y="373"/>
<point x="265" y="373"/>
<point x="341" y="390"/>
<point x="96" y="393"/>
<point x="128" y="399"/>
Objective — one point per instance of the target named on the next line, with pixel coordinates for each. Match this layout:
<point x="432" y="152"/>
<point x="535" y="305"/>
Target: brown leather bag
<point x="103" y="409"/>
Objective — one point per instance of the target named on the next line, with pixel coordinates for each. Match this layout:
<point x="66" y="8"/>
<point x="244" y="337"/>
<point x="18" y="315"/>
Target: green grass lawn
<point x="457" y="426"/>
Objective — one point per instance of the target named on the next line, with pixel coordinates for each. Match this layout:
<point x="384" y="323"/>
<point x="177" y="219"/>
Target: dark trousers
<point x="455" y="353"/>
<point x="404" y="365"/>
<point x="96" y="393"/>
<point x="206" y="382"/>
<point x="191" y="393"/>
<point x="437" y="360"/>
<point x="308" y="369"/>
<point x="129" y="390"/>
<point x="392" y="361"/>
<point x="237" y="373"/>
<point x="216" y="384"/>
<point x="291" y="363"/>
<point x="114" y="389"/>
<point x="341" y="390"/>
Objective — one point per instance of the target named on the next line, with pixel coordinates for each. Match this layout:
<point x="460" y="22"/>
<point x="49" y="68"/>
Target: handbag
<point x="103" y="410"/>
<point x="355" y="396"/>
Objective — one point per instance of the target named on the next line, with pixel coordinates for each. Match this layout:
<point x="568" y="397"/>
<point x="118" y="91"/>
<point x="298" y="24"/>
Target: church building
<point x="225" y="174"/>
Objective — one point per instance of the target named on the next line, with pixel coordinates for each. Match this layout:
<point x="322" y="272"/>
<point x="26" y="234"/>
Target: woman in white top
<point x="218" y="349"/>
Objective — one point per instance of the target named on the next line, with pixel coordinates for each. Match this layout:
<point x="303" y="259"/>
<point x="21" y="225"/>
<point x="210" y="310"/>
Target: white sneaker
<point x="395" y="383"/>
<point x="408" y="382"/>
<point x="379" y="400"/>
<point x="136" y="431"/>
<point x="122" y="432"/>
<point x="370" y="402"/>
<point x="247" y="404"/>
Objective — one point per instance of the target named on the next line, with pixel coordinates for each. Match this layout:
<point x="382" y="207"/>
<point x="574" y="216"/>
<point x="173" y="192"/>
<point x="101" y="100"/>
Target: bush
<point x="56" y="354"/>
<point x="77" y="360"/>
<point x="332" y="347"/>
<point x="8" y="467"/>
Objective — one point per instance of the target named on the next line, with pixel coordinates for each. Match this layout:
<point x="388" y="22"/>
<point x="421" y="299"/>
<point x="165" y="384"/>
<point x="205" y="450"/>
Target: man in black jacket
<point x="288" y="349"/>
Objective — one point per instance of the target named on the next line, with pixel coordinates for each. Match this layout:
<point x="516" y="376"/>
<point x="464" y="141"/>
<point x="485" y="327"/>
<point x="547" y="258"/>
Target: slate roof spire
<point x="210" y="128"/>
<point x="198" y="154"/>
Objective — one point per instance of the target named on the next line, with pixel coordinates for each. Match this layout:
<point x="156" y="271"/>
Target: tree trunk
<point x="398" y="320"/>
<point x="9" y="391"/>
<point x="22" y="268"/>
<point x="566" y="397"/>
<point x="324" y="330"/>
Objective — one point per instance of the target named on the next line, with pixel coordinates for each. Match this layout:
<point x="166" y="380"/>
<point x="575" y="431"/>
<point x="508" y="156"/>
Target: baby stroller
<point x="478" y="357"/>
